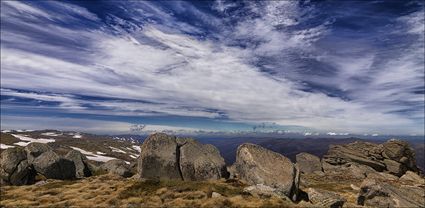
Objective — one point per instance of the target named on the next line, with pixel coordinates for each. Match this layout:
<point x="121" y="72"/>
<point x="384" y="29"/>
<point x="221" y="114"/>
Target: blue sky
<point x="340" y="66"/>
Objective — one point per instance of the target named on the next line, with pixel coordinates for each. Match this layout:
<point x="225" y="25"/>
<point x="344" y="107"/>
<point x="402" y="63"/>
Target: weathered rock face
<point x="400" y="151"/>
<point x="15" y="169"/>
<point x="168" y="157"/>
<point x="257" y="165"/>
<point x="52" y="166"/>
<point x="117" y="167"/>
<point x="308" y="163"/>
<point x="383" y="194"/>
<point x="323" y="198"/>
<point x="158" y="158"/>
<point x="80" y="161"/>
<point x="414" y="178"/>
<point x="200" y="161"/>
<point x="394" y="156"/>
<point x="35" y="149"/>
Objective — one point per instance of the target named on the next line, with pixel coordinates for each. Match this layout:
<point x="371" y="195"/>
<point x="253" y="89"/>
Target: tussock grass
<point x="114" y="191"/>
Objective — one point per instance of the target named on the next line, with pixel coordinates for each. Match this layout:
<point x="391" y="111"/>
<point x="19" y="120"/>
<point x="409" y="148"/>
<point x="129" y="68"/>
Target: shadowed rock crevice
<point x="178" y="158"/>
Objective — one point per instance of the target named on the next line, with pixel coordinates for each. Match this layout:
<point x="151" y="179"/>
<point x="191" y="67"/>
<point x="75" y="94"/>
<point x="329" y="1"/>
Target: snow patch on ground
<point x="100" y="153"/>
<point x="6" y="131"/>
<point x="5" y="146"/>
<point x="22" y="144"/>
<point x="95" y="157"/>
<point x="51" y="134"/>
<point x="29" y="140"/>
<point x="133" y="156"/>
<point x="77" y="136"/>
<point x="137" y="148"/>
<point x="116" y="150"/>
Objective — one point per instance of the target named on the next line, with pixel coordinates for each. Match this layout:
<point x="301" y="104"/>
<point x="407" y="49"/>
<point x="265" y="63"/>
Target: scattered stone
<point x="216" y="195"/>
<point x="354" y="187"/>
<point x="117" y="167"/>
<point x="257" y="165"/>
<point x="80" y="161"/>
<point x="50" y="165"/>
<point x="308" y="163"/>
<point x="325" y="198"/>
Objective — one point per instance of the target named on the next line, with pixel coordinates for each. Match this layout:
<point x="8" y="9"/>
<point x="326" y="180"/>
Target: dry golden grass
<point x="114" y="191"/>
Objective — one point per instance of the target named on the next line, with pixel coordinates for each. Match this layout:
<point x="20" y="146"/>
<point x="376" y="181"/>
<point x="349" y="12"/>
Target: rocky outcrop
<point x="35" y="149"/>
<point x="80" y="161"/>
<point x="394" y="157"/>
<point x="50" y="165"/>
<point x="323" y="198"/>
<point x="15" y="169"/>
<point x="158" y="158"/>
<point x="375" y="193"/>
<point x="308" y="163"/>
<point x="257" y="165"/>
<point x="117" y="167"/>
<point x="168" y="157"/>
<point x="200" y="161"/>
<point x="400" y="152"/>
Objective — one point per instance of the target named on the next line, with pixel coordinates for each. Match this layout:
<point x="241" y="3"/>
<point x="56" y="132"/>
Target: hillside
<point x="98" y="148"/>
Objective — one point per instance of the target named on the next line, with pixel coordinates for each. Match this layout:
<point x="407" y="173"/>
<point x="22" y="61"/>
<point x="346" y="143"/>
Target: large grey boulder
<point x="257" y="165"/>
<point x="308" y="163"/>
<point x="117" y="167"/>
<point x="158" y="158"/>
<point x="323" y="198"/>
<point x="15" y="169"/>
<point x="35" y="149"/>
<point x="168" y="157"/>
<point x="200" y="161"/>
<point x="80" y="161"/>
<point x="376" y="193"/>
<point x="50" y="165"/>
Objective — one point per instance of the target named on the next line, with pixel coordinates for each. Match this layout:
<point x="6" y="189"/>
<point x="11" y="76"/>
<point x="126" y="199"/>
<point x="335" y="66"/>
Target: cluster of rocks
<point x="388" y="170"/>
<point x="389" y="173"/>
<point x="394" y="157"/>
<point x="168" y="157"/>
<point x="20" y="166"/>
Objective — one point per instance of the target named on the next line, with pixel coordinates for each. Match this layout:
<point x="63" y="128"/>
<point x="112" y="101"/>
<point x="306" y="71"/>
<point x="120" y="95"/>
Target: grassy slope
<point x="109" y="190"/>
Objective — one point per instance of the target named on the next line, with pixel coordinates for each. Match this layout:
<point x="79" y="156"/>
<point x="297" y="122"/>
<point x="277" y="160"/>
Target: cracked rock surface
<point x="15" y="168"/>
<point x="169" y="157"/>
